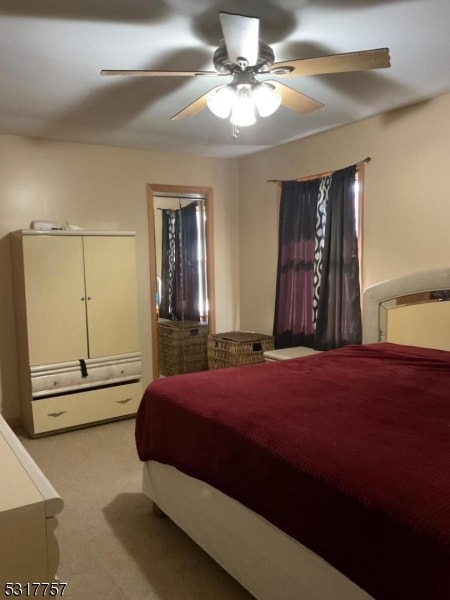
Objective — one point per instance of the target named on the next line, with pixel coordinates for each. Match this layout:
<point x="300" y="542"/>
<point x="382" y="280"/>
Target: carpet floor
<point x="111" y="544"/>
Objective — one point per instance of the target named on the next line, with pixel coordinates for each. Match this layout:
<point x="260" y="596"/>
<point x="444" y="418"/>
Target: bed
<point x="302" y="490"/>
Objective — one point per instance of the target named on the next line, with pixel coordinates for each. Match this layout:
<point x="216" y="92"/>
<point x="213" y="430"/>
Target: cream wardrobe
<point x="77" y="327"/>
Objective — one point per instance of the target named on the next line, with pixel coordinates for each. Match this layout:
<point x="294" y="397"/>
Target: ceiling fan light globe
<point x="266" y="99"/>
<point x="243" y="110"/>
<point x="221" y="101"/>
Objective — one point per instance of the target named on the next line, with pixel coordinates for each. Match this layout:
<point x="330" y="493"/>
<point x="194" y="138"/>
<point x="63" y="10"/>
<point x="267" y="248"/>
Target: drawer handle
<point x="57" y="414"/>
<point x="124" y="401"/>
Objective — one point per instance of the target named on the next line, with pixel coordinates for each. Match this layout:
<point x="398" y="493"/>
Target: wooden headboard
<point x="421" y="314"/>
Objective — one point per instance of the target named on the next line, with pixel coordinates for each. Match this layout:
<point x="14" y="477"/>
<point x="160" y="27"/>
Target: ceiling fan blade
<point x="241" y="36"/>
<point x="335" y="63"/>
<point x="294" y="100"/>
<point x="144" y="73"/>
<point x="194" y="107"/>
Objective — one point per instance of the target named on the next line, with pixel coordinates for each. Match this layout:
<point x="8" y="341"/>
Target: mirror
<point x="181" y="277"/>
<point x="420" y="319"/>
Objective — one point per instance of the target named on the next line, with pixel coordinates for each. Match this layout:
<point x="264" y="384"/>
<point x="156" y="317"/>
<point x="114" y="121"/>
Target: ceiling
<point x="51" y="54"/>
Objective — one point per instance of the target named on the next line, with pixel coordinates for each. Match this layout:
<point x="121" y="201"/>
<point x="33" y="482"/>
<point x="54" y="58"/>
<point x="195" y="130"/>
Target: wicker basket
<point x="182" y="347"/>
<point x="235" y="348"/>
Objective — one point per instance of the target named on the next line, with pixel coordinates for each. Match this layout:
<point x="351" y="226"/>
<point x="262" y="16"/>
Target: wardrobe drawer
<point x="72" y="410"/>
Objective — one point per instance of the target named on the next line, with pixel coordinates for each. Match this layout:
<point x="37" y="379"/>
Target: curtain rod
<point x="365" y="160"/>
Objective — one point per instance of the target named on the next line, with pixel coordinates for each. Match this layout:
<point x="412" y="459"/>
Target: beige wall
<point x="101" y="187"/>
<point x="406" y="204"/>
<point x="406" y="215"/>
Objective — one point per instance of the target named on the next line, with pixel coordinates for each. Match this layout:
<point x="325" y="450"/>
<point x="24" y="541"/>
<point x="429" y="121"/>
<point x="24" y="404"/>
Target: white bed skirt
<point x="266" y="561"/>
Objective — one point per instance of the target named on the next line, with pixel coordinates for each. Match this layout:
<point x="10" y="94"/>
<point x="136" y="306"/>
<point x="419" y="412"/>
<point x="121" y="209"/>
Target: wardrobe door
<point x="110" y="270"/>
<point x="55" y="298"/>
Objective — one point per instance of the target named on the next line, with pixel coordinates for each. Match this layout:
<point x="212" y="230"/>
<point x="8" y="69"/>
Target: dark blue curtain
<point x="188" y="265"/>
<point x="339" y="302"/>
<point x="318" y="294"/>
<point x="180" y="265"/>
<point x="293" y="325"/>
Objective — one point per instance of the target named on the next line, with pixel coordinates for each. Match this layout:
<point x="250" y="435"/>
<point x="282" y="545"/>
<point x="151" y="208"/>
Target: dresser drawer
<point x="72" y="410"/>
<point x="28" y="508"/>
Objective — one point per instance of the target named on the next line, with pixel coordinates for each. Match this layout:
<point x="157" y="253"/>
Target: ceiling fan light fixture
<point x="221" y="100"/>
<point x="243" y="109"/>
<point x="243" y="99"/>
<point x="243" y="56"/>
<point x="266" y="98"/>
<point x="235" y="102"/>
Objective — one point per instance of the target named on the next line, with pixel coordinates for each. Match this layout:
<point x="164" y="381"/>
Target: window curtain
<point x="294" y="324"/>
<point x="317" y="300"/>
<point x="339" y="305"/>
<point x="188" y="265"/>
<point x="180" y="271"/>
<point x="168" y="301"/>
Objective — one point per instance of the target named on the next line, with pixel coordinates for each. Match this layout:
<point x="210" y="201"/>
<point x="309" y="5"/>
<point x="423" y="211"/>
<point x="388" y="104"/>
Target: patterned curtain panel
<point x="169" y="255"/>
<point x="339" y="306"/>
<point x="317" y="295"/>
<point x="180" y="265"/>
<point x="321" y="219"/>
<point x="297" y="271"/>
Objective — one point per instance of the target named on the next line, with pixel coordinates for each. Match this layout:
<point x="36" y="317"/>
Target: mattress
<point x="346" y="451"/>
<point x="268" y="563"/>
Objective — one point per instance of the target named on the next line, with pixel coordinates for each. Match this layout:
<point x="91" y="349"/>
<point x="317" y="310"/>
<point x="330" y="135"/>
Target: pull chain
<point x="235" y="132"/>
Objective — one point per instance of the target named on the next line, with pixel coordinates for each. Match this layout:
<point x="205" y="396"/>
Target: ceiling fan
<point x="243" y="57"/>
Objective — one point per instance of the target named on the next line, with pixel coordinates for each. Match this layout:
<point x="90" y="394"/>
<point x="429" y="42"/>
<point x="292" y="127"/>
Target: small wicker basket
<point x="235" y="348"/>
<point x="182" y="347"/>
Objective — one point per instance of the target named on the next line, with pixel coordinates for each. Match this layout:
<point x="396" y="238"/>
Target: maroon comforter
<point x="347" y="451"/>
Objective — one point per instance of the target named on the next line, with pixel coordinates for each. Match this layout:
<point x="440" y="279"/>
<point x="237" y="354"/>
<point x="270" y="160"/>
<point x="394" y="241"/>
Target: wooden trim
<point x="153" y="282"/>
<point x="207" y="192"/>
<point x="210" y="272"/>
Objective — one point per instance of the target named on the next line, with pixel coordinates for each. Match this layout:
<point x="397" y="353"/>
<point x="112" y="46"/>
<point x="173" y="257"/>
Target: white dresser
<point x="28" y="508"/>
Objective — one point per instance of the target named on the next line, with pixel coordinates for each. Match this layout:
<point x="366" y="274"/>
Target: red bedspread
<point x="347" y="451"/>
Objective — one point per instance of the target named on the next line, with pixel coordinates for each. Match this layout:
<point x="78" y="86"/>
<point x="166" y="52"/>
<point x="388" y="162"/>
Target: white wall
<point x="101" y="187"/>
<point x="406" y="199"/>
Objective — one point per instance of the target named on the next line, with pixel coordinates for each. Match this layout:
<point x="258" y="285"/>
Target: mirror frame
<point x="154" y="189"/>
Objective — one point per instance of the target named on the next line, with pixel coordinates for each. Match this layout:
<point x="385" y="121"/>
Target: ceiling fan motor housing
<point x="224" y="65"/>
